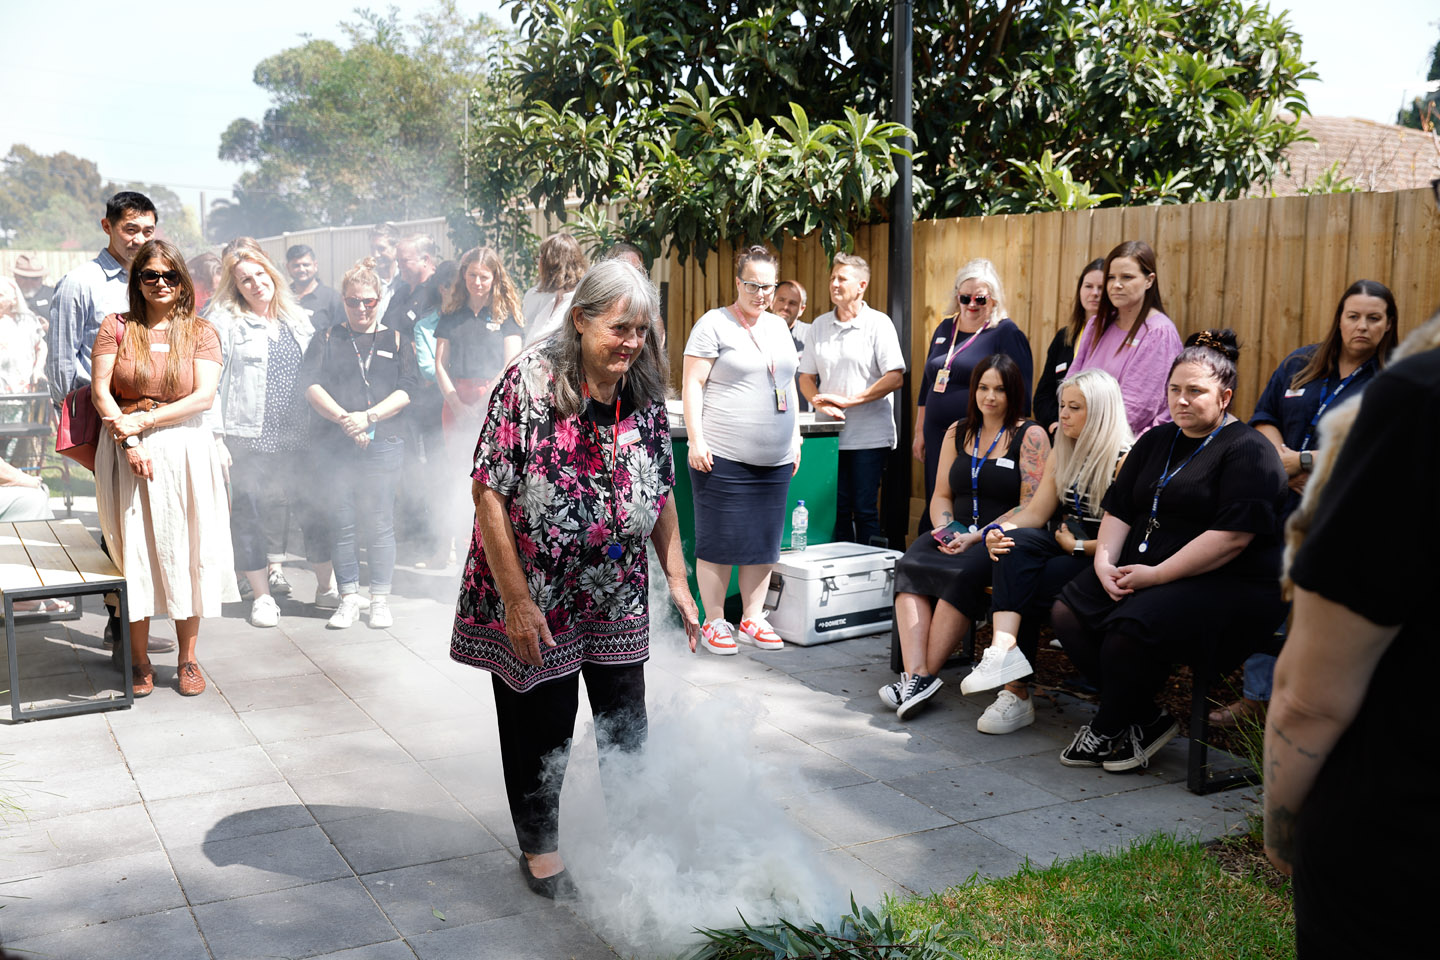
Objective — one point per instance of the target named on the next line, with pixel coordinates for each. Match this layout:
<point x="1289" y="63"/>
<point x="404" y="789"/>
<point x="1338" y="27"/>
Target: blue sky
<point x="66" y="85"/>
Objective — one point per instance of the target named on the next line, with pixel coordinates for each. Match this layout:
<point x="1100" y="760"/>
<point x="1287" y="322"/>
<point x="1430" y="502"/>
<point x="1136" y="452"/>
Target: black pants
<point x="1027" y="579"/>
<point x="535" y="733"/>
<point x="857" y="494"/>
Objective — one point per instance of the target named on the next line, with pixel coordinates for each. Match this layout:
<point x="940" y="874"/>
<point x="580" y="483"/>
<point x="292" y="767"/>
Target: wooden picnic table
<point x="45" y="559"/>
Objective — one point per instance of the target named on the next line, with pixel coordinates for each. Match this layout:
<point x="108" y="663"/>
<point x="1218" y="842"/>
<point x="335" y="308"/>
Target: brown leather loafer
<point x="142" y="679"/>
<point x="192" y="682"/>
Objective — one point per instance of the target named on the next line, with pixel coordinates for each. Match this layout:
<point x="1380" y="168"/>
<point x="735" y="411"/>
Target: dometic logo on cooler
<point x="831" y="624"/>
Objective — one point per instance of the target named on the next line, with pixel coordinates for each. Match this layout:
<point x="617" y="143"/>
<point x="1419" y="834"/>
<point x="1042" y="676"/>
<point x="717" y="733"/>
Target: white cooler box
<point x="832" y="591"/>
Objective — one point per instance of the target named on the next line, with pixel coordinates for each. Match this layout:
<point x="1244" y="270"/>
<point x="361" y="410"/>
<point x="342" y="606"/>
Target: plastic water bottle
<point x="799" y="526"/>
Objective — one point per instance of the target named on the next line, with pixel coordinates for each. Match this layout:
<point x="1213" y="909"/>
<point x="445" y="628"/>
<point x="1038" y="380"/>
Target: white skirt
<point x="169" y="536"/>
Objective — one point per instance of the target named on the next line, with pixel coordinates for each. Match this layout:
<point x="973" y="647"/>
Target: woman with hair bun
<point x="744" y="442"/>
<point x="1187" y="560"/>
<point x="1130" y="337"/>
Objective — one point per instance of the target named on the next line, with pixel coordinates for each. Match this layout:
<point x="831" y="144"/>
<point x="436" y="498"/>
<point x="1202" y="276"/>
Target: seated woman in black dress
<point x="990" y="466"/>
<point x="1187" y="561"/>
<point x="1050" y="542"/>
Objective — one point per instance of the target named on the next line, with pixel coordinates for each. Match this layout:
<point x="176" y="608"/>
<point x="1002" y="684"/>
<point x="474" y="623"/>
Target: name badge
<point x="385" y="353"/>
<point x="493" y="325"/>
<point x="1291" y="394"/>
<point x="782" y="399"/>
<point x="1061" y="367"/>
<point x="1005" y="463"/>
<point x="310" y="313"/>
<point x="410" y="314"/>
<point x="159" y="348"/>
<point x="41" y="303"/>
<point x="942" y="380"/>
<point x="629" y="436"/>
<point x="939" y="339"/>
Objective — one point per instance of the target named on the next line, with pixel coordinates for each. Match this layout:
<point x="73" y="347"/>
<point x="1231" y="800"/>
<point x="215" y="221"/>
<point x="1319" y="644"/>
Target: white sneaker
<point x="891" y="692"/>
<point x="264" y="612"/>
<point x="345" y="614"/>
<point x="327" y="600"/>
<point x="996" y="668"/>
<point x="380" y="615"/>
<point x="718" y="637"/>
<point x="1007" y="714"/>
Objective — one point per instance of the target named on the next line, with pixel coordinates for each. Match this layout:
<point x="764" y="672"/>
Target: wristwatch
<point x="371" y="416"/>
<point x="1079" y="550"/>
<point x="1307" y="461"/>
<point x="131" y="441"/>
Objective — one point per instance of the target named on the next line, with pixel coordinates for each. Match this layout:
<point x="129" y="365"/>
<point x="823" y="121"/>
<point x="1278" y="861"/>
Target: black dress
<point x="960" y="579"/>
<point x="1236" y="483"/>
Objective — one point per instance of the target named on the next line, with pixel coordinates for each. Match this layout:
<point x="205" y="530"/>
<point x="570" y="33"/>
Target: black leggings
<point x="1027" y="579"/>
<point x="1129" y="671"/>
<point x="540" y="723"/>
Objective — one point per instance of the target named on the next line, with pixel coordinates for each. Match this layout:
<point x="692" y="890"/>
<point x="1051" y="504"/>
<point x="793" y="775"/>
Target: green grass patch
<point x="1160" y="898"/>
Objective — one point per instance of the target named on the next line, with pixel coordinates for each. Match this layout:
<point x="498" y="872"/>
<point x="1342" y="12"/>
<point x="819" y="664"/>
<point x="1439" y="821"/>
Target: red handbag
<point x="79" y="429"/>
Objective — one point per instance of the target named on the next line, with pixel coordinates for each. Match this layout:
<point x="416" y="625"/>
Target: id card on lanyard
<point x="782" y="394"/>
<point x="942" y="376"/>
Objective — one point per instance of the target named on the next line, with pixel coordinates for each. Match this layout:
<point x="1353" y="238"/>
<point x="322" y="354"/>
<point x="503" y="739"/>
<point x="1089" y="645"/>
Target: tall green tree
<point x="1423" y="113"/>
<point x="360" y="132"/>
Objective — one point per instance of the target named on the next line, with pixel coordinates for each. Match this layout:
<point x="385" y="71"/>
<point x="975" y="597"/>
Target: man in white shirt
<point x="851" y="367"/>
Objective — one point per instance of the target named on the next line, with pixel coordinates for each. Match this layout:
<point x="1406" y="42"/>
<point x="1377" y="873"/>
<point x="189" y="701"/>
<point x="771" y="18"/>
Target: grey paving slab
<point x="306" y="720"/>
<point x="297" y="922"/>
<point x="939" y="858"/>
<point x="1173" y="810"/>
<point x="340" y="753"/>
<point x="182" y="737"/>
<point x="34" y="846"/>
<point x="63" y="792"/>
<point x="1045" y="770"/>
<point x="82" y="745"/>
<point x="393" y="950"/>
<point x="88" y="893"/>
<point x="400" y="838"/>
<point x="179" y="775"/>
<point x="1046" y="834"/>
<point x="469" y="775"/>
<point x="886" y="755"/>
<point x="524" y="937"/>
<point x="168" y="935"/>
<point x="975" y="792"/>
<point x="256" y="864"/>
<point x="433" y="739"/>
<point x="806" y="769"/>
<point x="398" y="787"/>
<point x="227" y="814"/>
<point x="281" y="692"/>
<point x="465" y="890"/>
<point x="258" y="665"/>
<point x="869" y="811"/>
<point x="964" y="738"/>
<point x="441" y="702"/>
<point x="855" y="876"/>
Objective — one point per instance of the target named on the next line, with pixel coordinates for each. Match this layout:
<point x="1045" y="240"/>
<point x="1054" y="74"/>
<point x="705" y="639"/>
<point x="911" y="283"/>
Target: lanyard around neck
<point x="614" y="551"/>
<point x="1166" y="475"/>
<point x="750" y="329"/>
<point x="976" y="463"/>
<point x="1327" y="397"/>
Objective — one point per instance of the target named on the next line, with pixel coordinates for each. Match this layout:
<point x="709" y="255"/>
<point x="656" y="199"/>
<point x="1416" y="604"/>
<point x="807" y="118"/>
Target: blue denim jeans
<point x="364" y="492"/>
<point x="857" y="508"/>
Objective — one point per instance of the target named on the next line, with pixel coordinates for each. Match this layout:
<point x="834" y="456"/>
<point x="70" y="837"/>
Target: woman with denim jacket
<point x="264" y="417"/>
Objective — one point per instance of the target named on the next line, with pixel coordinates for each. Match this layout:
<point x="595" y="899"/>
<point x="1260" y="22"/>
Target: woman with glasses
<point x="159" y="489"/>
<point x="1130" y="337"/>
<point x="978" y="329"/>
<point x="263" y="415"/>
<point x="357" y="376"/>
<point x="744" y="440"/>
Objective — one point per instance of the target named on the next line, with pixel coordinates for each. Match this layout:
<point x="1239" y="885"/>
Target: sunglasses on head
<point x="152" y="277"/>
<point x="357" y="303"/>
<point x="965" y="300"/>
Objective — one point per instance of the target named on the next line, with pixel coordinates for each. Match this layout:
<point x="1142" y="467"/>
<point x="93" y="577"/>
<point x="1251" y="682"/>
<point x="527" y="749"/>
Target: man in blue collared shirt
<point x="92" y="290"/>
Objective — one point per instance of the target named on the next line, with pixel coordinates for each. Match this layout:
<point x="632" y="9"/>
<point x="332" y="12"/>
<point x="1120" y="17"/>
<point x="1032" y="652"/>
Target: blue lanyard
<point x="1327" y="397"/>
<point x="976" y="462"/>
<point x="1166" y="475"/>
<point x="1075" y="492"/>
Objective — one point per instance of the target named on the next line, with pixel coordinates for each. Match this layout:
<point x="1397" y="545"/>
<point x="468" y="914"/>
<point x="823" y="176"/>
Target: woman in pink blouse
<point x="1131" y="338"/>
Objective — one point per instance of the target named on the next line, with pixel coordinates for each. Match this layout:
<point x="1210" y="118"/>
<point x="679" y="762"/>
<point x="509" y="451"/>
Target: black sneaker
<point x="915" y="693"/>
<point x="1140" y="742"/>
<point x="1088" y="749"/>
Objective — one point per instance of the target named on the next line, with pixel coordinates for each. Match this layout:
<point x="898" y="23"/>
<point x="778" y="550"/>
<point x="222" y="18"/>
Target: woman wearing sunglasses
<point x="744" y="440"/>
<point x="159" y="489"/>
<point x="265" y="332"/>
<point x="978" y="329"/>
<point x="1130" y="337"/>
<point x="357" y="376"/>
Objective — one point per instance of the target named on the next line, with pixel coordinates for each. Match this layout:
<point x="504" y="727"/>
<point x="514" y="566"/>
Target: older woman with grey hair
<point x="573" y="475"/>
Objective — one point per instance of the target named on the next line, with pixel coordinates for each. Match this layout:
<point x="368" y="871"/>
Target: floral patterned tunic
<point x="557" y="475"/>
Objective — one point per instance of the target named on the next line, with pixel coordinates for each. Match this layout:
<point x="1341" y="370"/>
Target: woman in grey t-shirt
<point x="744" y="439"/>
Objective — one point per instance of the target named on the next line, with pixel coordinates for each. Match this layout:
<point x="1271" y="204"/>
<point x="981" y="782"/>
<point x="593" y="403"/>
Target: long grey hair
<point x="608" y="284"/>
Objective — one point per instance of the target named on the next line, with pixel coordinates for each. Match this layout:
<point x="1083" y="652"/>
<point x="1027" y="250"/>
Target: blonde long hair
<point x="284" y="306"/>
<point x="1088" y="462"/>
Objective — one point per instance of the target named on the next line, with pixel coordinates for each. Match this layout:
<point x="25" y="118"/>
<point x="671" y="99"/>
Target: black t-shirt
<point x="477" y="342"/>
<point x="998" y="484"/>
<point x="1367" y="830"/>
<point x="358" y="371"/>
<point x="409" y="304"/>
<point x="324" y="305"/>
<point x="1236" y="483"/>
<point x="1058" y="358"/>
<point x="41" y="301"/>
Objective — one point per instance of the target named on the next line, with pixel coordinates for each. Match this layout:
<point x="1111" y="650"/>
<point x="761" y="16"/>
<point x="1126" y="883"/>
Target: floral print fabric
<point x="557" y="475"/>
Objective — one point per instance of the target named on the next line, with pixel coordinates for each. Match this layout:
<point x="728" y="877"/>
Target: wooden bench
<point x="44" y="559"/>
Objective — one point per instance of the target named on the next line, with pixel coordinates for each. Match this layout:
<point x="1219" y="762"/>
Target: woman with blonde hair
<point x="264" y="332"/>
<point x="977" y="329"/>
<point x="1048" y="543"/>
<point x="478" y="334"/>
<point x="546" y="305"/>
<point x="159" y="490"/>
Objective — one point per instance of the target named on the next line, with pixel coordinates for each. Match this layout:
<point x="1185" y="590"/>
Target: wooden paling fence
<point x="1271" y="268"/>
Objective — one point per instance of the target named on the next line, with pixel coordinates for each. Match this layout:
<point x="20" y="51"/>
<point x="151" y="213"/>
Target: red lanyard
<point x="613" y="550"/>
<point x="954" y="335"/>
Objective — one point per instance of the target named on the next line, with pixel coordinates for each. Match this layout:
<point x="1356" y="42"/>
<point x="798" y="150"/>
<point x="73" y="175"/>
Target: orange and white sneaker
<point x="757" y="630"/>
<point x="719" y="637"/>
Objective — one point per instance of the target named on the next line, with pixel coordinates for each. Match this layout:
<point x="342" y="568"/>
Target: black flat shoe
<point x="558" y="887"/>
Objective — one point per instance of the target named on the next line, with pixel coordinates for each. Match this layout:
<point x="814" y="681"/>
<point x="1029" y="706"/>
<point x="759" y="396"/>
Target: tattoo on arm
<point x="1307" y="754"/>
<point x="1280" y="832"/>
<point x="1033" y="451"/>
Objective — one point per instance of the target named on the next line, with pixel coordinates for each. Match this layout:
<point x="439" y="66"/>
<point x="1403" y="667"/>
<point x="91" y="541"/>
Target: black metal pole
<point x="895" y="500"/>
